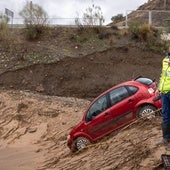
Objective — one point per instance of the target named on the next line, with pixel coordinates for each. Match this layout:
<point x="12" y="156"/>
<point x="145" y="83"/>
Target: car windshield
<point x="145" y="81"/>
<point x="97" y="107"/>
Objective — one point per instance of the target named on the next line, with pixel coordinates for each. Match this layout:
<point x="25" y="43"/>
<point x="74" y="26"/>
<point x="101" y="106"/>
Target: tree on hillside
<point x="3" y="27"/>
<point x="33" y="14"/>
<point x="92" y="16"/>
<point x="117" y="18"/>
<point x="4" y="19"/>
<point x="35" y="19"/>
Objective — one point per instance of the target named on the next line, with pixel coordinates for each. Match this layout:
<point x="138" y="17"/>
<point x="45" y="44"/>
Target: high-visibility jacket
<point x="164" y="82"/>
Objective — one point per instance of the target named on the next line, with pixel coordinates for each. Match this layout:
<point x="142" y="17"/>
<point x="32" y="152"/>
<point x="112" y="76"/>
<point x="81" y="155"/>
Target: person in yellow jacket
<point x="164" y="91"/>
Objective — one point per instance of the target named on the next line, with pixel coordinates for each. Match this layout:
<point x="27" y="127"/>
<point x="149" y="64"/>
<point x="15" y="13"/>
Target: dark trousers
<point x="166" y="116"/>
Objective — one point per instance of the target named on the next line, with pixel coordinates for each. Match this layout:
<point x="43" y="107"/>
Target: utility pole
<point x="165" y="2"/>
<point x="150" y="17"/>
<point x="31" y="5"/>
<point x="31" y="11"/>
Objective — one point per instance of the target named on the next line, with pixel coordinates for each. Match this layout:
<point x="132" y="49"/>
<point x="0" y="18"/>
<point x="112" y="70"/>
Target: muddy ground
<point x="34" y="130"/>
<point x="42" y="100"/>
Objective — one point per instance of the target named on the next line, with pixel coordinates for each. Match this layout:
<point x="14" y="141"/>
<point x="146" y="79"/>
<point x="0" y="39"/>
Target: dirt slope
<point x="87" y="76"/>
<point x="34" y="129"/>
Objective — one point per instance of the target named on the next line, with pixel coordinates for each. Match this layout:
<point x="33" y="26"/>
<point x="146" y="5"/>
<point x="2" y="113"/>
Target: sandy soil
<point x="32" y="125"/>
<point x="34" y="129"/>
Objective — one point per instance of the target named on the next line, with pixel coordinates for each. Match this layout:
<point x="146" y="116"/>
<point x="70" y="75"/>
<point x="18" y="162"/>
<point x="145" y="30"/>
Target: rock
<point x="40" y="88"/>
<point x="32" y="129"/>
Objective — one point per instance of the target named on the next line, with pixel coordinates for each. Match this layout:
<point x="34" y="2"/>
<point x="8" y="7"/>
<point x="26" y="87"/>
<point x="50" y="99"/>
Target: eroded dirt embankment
<point x="85" y="77"/>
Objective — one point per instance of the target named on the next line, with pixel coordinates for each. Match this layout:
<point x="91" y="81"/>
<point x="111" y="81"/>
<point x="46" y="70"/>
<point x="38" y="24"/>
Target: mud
<point x="34" y="130"/>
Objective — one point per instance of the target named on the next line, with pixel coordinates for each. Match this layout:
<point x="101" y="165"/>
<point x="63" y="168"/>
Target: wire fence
<point x="50" y="21"/>
<point x="156" y="18"/>
<point x="59" y="21"/>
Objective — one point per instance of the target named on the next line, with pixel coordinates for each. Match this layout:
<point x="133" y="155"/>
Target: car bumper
<point x="69" y="143"/>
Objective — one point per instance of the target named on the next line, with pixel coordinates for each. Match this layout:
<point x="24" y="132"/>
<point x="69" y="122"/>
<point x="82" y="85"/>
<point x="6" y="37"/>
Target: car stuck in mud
<point x="114" y="109"/>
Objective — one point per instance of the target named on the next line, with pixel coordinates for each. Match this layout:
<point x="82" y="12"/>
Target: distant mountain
<point x="156" y="5"/>
<point x="155" y="12"/>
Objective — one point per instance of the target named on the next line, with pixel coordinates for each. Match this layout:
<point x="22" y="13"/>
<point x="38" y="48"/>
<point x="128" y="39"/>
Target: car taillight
<point x="151" y="90"/>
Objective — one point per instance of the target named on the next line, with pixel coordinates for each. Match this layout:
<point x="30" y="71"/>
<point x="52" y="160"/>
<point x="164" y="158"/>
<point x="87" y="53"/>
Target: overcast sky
<point x="70" y="8"/>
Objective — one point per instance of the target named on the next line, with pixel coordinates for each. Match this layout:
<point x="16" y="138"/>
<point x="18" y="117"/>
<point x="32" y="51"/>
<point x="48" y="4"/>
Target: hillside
<point x="156" y="5"/>
<point x="159" y="15"/>
<point x="65" y="62"/>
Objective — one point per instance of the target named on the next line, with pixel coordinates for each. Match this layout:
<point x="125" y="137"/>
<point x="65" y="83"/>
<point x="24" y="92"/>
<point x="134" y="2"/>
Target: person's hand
<point x="157" y="92"/>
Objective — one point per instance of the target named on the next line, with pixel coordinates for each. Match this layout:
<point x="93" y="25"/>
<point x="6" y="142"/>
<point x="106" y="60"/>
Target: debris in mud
<point x="21" y="106"/>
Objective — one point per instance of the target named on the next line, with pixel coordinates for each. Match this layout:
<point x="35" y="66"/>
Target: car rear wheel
<point x="81" y="143"/>
<point x="148" y="111"/>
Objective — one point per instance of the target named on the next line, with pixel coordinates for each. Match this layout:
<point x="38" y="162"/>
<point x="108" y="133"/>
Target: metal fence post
<point x="150" y="18"/>
<point x="126" y="20"/>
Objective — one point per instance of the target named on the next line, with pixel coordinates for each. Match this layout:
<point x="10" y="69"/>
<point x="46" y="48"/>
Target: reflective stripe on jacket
<point x="164" y="84"/>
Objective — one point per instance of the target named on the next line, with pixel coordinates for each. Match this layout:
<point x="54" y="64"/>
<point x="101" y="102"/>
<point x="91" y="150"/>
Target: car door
<point x="122" y="101"/>
<point x="98" y="117"/>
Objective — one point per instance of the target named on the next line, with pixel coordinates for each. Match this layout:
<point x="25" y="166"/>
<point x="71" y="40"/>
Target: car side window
<point x="132" y="89"/>
<point x="118" y="95"/>
<point x="97" y="107"/>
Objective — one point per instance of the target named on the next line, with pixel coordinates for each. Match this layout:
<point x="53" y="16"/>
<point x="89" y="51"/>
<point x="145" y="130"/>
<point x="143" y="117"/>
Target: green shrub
<point x="34" y="32"/>
<point x="35" y="19"/>
<point x="148" y="37"/>
<point x="145" y="32"/>
<point x="3" y="28"/>
<point x="134" y="29"/>
<point x="117" y="18"/>
<point x="92" y="17"/>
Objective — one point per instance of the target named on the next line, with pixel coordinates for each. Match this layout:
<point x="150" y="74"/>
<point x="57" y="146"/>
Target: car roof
<point x="130" y="82"/>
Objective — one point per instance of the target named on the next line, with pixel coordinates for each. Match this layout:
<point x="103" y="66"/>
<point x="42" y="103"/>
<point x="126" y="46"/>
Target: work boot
<point x="162" y="142"/>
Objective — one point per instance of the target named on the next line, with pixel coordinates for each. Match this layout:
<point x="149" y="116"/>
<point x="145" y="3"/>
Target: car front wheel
<point x="147" y="111"/>
<point x="81" y="142"/>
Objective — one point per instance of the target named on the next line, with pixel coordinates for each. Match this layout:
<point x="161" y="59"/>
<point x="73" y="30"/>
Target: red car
<point x="113" y="109"/>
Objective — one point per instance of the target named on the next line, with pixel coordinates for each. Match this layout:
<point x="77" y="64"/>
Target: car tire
<point x="81" y="143"/>
<point x="148" y="111"/>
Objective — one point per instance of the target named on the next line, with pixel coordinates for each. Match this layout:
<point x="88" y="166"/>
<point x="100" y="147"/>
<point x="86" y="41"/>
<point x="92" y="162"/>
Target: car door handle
<point x="130" y="100"/>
